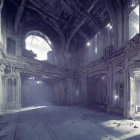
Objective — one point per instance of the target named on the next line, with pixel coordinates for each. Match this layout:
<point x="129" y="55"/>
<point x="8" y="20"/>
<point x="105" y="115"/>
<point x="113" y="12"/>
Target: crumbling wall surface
<point x="117" y="65"/>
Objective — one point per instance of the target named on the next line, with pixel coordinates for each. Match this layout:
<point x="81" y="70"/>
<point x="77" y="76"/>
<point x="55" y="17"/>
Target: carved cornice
<point x="26" y="65"/>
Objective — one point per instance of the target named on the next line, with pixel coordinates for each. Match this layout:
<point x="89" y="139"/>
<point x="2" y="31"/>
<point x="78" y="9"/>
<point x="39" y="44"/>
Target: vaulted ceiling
<point x="67" y="23"/>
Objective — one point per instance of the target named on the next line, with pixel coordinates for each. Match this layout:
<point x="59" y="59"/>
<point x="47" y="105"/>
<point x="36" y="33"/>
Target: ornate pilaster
<point x="11" y="88"/>
<point x="1" y="88"/>
<point x="127" y="94"/>
<point x="109" y="87"/>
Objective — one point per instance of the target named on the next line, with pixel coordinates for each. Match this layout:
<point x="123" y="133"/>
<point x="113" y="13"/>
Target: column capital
<point x="2" y="67"/>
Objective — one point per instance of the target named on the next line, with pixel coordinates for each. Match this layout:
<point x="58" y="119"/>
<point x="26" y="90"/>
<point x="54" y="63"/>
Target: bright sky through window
<point x="39" y="46"/>
<point x="134" y="22"/>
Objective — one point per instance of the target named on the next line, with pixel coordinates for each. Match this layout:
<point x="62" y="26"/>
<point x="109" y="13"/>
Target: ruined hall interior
<point x="69" y="70"/>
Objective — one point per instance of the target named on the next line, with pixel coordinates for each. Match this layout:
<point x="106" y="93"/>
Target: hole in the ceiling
<point x="39" y="46"/>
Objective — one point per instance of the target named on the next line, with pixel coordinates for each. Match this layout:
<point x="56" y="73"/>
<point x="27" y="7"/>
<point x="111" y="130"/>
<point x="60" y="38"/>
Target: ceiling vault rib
<point x="70" y="18"/>
<point x="86" y="15"/>
<point x="110" y="10"/>
<point x="47" y="13"/>
<point x="19" y="15"/>
<point x="52" y="20"/>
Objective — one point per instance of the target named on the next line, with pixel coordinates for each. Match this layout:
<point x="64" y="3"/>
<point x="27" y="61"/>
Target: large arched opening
<point x="36" y="89"/>
<point x="37" y="46"/>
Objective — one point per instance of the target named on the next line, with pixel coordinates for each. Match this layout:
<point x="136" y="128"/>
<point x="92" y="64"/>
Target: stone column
<point x="62" y="92"/>
<point x="65" y="92"/>
<point x="129" y="103"/>
<point x="4" y="92"/>
<point x="1" y="89"/>
<point x="12" y="91"/>
<point x="56" y="93"/>
<point x="127" y="96"/>
<point x="84" y="89"/>
<point x="69" y="91"/>
<point x="109" y="89"/>
<point x="18" y="91"/>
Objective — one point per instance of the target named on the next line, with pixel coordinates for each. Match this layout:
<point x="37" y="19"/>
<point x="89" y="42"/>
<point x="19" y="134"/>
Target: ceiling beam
<point x="45" y="11"/>
<point x="86" y="13"/>
<point x="53" y="22"/>
<point x="86" y="16"/>
<point x="19" y="15"/>
<point x="53" y="19"/>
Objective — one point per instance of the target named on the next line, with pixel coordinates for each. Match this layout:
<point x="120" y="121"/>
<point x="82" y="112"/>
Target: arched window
<point x="38" y="44"/>
<point x="134" y="22"/>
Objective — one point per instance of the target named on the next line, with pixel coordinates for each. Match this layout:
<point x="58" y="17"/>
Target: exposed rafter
<point x="53" y="20"/>
<point x="68" y="18"/>
<point x="81" y="13"/>
<point x="86" y="16"/>
<point x="46" y="12"/>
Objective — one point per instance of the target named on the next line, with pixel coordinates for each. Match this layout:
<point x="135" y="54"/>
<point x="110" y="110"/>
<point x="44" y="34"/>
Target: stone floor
<point x="66" y="123"/>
